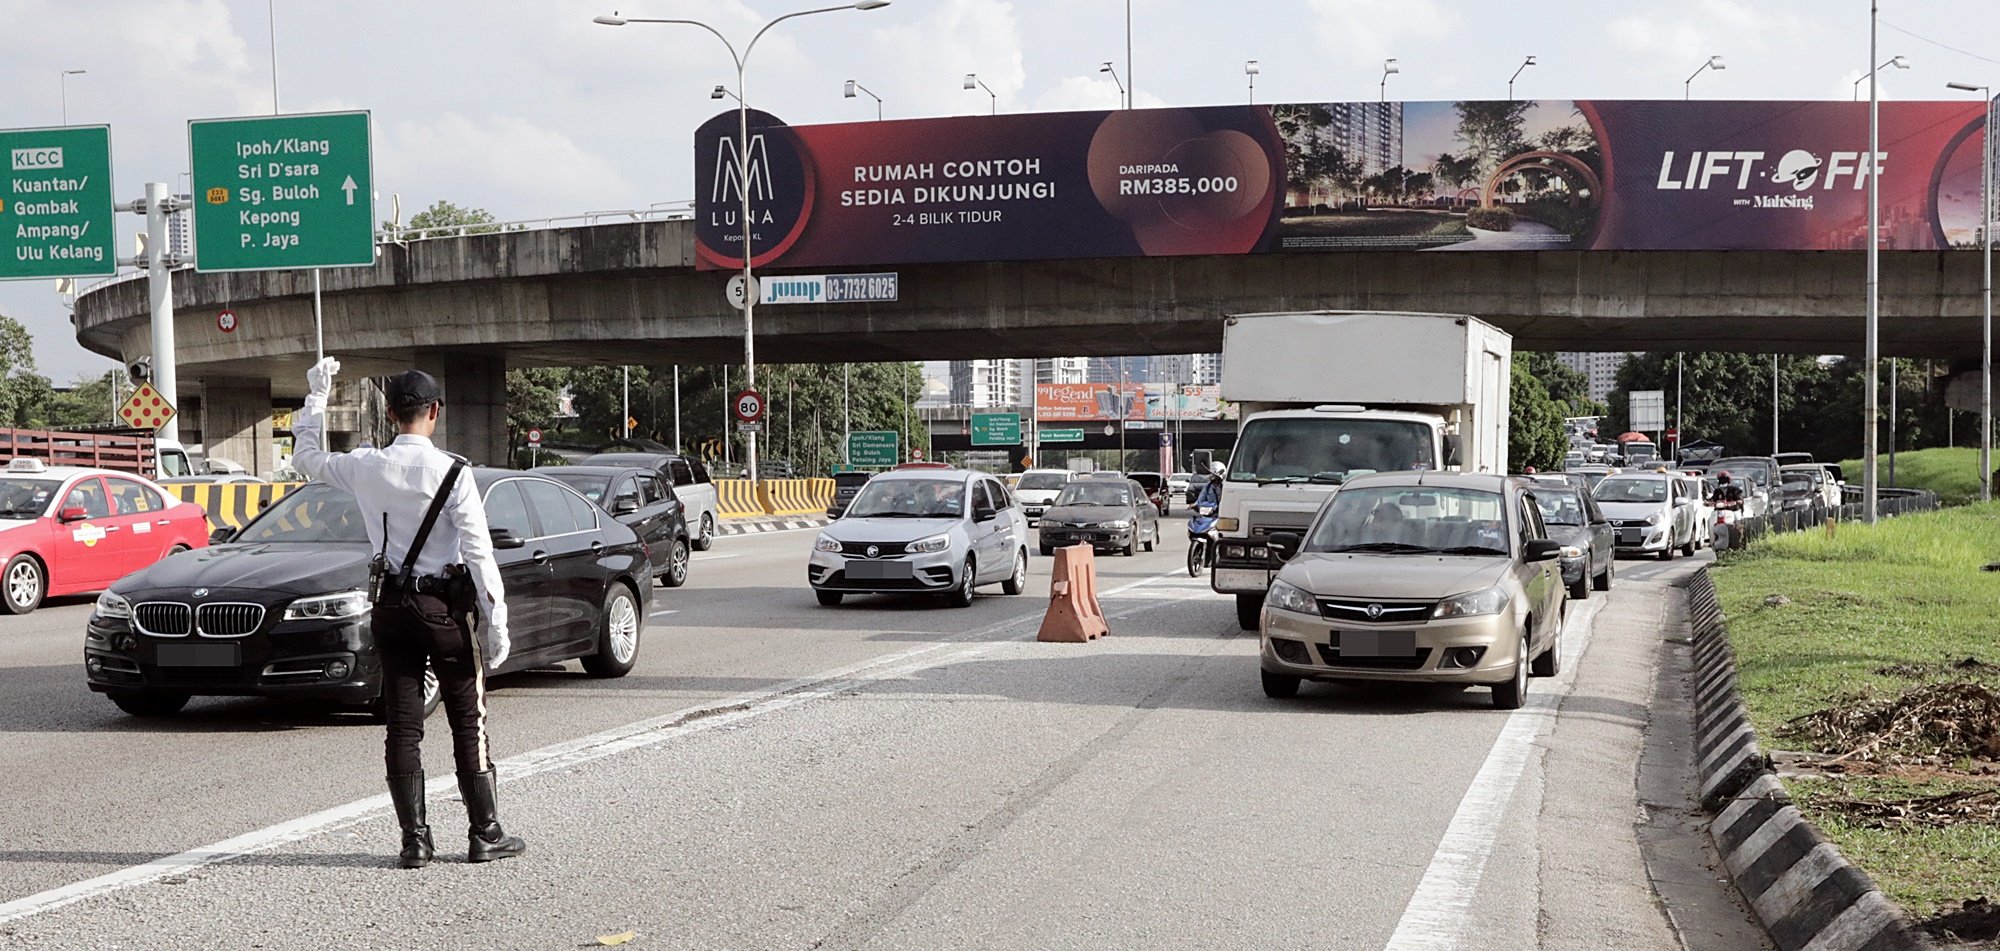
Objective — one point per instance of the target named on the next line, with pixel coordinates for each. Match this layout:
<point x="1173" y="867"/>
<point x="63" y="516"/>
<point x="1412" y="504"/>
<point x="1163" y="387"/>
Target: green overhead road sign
<point x="996" y="429"/>
<point x="872" y="448"/>
<point x="283" y="192"/>
<point x="56" y="210"/>
<point x="1062" y="435"/>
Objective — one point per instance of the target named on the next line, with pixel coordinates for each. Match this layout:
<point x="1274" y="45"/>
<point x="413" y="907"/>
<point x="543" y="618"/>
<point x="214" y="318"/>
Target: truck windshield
<point x="1329" y="450"/>
<point x="173" y="462"/>
<point x="1400" y="519"/>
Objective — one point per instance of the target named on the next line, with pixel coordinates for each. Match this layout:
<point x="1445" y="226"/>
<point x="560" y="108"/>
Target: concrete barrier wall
<point x="736" y="498"/>
<point x="739" y="498"/>
<point x="231" y="504"/>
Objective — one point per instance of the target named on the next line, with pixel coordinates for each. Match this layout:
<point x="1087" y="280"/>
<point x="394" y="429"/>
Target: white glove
<point x="497" y="645"/>
<point x="319" y="377"/>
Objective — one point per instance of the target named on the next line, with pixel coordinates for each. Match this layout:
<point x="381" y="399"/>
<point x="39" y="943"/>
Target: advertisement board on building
<point x="1070" y="402"/>
<point x="1188" y="402"/>
<point x="1472" y="175"/>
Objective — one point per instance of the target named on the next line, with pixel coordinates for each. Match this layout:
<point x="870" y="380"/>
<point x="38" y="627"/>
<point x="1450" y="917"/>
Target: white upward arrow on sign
<point x="349" y="187"/>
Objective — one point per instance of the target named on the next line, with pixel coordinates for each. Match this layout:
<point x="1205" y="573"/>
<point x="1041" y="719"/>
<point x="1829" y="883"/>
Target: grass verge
<point x="1953" y="473"/>
<point x="1867" y="615"/>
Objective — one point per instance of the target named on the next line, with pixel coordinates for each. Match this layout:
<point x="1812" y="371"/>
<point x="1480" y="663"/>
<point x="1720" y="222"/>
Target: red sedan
<point x="67" y="530"/>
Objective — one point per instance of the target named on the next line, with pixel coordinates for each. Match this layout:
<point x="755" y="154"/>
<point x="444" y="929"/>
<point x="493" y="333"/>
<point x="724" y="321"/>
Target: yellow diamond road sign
<point x="147" y="409"/>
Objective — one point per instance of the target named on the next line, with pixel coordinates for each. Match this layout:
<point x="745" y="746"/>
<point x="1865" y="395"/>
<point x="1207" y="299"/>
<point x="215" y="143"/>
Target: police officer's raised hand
<point x="319" y="378"/>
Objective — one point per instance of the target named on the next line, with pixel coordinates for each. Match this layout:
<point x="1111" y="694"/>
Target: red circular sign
<point x="226" y="321"/>
<point x="749" y="406"/>
<point x="917" y="455"/>
<point x="534" y="435"/>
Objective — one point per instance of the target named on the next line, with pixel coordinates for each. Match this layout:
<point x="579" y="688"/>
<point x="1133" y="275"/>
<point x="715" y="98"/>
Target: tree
<point x="17" y="370"/>
<point x="1492" y="131"/>
<point x="1535" y="435"/>
<point x="448" y="218"/>
<point x="1726" y="398"/>
<point x="1566" y="386"/>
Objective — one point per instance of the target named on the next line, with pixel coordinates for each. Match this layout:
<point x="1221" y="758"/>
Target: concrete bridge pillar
<point x="474" y="421"/>
<point x="236" y="422"/>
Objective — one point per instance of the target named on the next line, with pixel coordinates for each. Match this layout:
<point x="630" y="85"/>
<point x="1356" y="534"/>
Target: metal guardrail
<point x="1889" y="503"/>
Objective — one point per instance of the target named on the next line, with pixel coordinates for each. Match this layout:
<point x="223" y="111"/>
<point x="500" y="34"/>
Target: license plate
<point x="1376" y="643"/>
<point x="196" y="655"/>
<point x="880" y="571"/>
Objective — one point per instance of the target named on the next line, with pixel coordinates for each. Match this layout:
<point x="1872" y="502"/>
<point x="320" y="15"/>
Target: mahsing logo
<point x="1799" y="167"/>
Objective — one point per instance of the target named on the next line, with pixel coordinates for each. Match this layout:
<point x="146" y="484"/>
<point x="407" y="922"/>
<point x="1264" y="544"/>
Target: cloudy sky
<point x="526" y="108"/>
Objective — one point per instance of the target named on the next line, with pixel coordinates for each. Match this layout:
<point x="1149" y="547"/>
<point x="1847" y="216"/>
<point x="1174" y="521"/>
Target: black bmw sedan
<point x="641" y="501"/>
<point x="280" y="609"/>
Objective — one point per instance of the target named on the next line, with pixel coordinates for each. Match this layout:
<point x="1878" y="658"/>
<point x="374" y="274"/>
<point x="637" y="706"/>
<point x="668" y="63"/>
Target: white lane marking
<point x="1435" y="918"/>
<point x="662" y="613"/>
<point x="570" y="753"/>
<point x="698" y="559"/>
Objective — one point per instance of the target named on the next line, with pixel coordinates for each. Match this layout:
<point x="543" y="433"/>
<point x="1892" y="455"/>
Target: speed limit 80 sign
<point x="749" y="406"/>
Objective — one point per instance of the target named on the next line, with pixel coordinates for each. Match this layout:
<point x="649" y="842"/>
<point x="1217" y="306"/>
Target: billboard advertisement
<point x="1086" y="402"/>
<point x="1188" y="402"/>
<point x="1300" y="178"/>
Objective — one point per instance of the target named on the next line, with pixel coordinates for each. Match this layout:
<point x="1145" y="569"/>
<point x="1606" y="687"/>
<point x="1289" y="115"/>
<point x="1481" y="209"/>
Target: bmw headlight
<point x="826" y="543"/>
<point x="1472" y="604"/>
<point x="113" y="606"/>
<point x="1654" y="519"/>
<point x="328" y="607"/>
<point x="1290" y="597"/>
<point x="931" y="544"/>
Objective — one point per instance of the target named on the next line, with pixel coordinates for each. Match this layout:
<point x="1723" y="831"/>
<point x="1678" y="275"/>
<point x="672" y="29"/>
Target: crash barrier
<point x="740" y="498"/>
<point x="1889" y="504"/>
<point x="1074" y="616"/>
<point x="231" y="504"/>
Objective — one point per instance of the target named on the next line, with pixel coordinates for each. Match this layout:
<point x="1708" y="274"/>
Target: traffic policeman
<point x="427" y="599"/>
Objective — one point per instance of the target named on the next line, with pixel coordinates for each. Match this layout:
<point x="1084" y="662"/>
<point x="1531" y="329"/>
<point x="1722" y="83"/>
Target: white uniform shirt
<point x="400" y="481"/>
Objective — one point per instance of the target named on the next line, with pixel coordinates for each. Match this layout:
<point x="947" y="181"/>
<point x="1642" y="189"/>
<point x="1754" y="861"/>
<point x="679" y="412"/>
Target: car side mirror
<point x="221" y="535"/>
<point x="1542" y="549"/>
<point x="984" y="513"/>
<point x="74" y="513"/>
<point x="1285" y="544"/>
<point x="504" y="539"/>
<point x="624" y="505"/>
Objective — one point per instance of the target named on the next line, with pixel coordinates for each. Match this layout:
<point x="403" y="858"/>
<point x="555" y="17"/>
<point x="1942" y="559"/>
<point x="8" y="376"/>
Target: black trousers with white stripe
<point x="408" y="638"/>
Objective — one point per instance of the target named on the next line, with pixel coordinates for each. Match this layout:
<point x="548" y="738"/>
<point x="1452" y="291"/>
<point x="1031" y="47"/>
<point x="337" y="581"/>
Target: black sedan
<point x="281" y="610"/>
<point x="641" y="501"/>
<point x="1573" y="518"/>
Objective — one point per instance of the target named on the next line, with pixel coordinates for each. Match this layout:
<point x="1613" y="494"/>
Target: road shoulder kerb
<point x="753" y="526"/>
<point x="1806" y="894"/>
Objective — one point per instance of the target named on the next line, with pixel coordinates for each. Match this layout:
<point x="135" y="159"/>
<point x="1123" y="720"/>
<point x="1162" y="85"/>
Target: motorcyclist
<point x="1728" y="495"/>
<point x="1208" y="502"/>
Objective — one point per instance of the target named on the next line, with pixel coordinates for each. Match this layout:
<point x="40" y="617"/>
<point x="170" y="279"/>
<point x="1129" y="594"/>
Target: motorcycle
<point x="1202" y="539"/>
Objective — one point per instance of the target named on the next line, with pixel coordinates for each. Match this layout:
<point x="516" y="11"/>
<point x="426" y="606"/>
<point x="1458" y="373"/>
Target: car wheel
<point x="677" y="564"/>
<point x="1603" y="581"/>
<point x="1280" y="686"/>
<point x="828" y="599"/>
<point x="1131" y="548"/>
<point x="1549" y="662"/>
<point x="617" y="635"/>
<point x="150" y="704"/>
<point x="1580" y="591"/>
<point x="1688" y="549"/>
<point x="1667" y="553"/>
<point x="961" y="596"/>
<point x="1249" y="611"/>
<point x="26" y="584"/>
<point x="1048" y="550"/>
<point x="1513" y="693"/>
<point x="1154" y="540"/>
<point x="707" y="539"/>
<point x="1018" y="581"/>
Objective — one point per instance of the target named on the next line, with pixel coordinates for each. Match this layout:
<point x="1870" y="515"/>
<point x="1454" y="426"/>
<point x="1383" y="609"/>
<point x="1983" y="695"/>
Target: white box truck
<point x="1326" y="395"/>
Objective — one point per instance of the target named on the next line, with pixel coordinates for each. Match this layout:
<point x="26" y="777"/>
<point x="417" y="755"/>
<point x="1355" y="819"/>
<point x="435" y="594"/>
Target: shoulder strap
<point x="431" y="517"/>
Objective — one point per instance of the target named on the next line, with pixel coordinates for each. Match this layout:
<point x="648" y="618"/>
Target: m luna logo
<point x="733" y="174"/>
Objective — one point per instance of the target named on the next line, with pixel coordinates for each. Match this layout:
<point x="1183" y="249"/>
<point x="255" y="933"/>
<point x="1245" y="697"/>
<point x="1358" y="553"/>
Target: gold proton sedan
<point x="1424" y="577"/>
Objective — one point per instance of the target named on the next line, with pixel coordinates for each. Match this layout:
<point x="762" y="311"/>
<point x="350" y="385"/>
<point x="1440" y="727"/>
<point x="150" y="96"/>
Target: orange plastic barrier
<point x="1074" y="616"/>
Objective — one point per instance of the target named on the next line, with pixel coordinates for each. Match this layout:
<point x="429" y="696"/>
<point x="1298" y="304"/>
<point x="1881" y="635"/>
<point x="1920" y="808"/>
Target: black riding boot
<point x="407" y="792"/>
<point x="482" y="811"/>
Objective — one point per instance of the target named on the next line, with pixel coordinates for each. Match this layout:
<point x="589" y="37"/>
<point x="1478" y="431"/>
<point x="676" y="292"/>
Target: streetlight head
<point x="1250" y="66"/>
<point x="849" y="91"/>
<point x="1900" y="62"/>
<point x="1965" y="87"/>
<point x="1389" y="66"/>
<point x="972" y="80"/>
<point x="1104" y="68"/>
<point x="1530" y="62"/>
<point x="612" y="20"/>
<point x="74" y="72"/>
<point x="871" y="4"/>
<point x="1715" y="62"/>
<point x="718" y="93"/>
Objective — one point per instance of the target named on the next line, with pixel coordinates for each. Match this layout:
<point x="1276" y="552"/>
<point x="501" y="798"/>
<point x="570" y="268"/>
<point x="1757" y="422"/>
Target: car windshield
<point x="1559" y="506"/>
<point x="1795" y="483"/>
<point x="1396" y="519"/>
<point x="1085" y="493"/>
<point x="909" y="498"/>
<point x="1044" y="480"/>
<point x="1181" y="477"/>
<point x="1328" y="450"/>
<point x="1755" y="469"/>
<point x="26" y="498"/>
<point x="590" y="486"/>
<point x="311" y="514"/>
<point x="1631" y="490"/>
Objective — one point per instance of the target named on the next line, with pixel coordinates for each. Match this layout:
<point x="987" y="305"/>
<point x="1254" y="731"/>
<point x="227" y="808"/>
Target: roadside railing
<point x="1889" y="503"/>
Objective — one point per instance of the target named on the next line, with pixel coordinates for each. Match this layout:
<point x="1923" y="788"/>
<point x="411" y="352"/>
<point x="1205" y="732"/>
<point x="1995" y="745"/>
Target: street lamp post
<point x="1124" y="98"/>
<point x="743" y="177"/>
<point x="66" y="74"/>
<point x="1871" y="437"/>
<point x="853" y="86"/>
<point x="1900" y="62"/>
<point x="1530" y="61"/>
<point x="1714" y="62"/>
<point x="972" y="81"/>
<point x="1388" y="67"/>
<point x="1251" y="69"/>
<point x="1986" y="292"/>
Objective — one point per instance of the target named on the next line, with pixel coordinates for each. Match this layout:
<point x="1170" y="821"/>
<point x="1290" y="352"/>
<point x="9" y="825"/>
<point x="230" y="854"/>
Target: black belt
<point x="422" y="584"/>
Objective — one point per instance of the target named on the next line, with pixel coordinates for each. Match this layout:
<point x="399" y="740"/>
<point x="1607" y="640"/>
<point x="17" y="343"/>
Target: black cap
<point x="411" y="391"/>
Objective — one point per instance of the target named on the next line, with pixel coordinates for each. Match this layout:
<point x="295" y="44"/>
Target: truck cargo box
<point x="1382" y="359"/>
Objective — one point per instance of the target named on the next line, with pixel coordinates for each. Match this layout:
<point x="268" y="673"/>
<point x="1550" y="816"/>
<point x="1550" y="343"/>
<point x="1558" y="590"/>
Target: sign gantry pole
<point x="160" y="291"/>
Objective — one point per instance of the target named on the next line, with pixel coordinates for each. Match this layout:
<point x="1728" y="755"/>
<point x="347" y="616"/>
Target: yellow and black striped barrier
<point x="739" y="498"/>
<point x="231" y="504"/>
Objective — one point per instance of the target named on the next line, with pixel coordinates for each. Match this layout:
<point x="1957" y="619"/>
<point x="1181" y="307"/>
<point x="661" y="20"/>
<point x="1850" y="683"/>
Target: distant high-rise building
<point x="1600" y="371"/>
<point x="985" y="383"/>
<point x="180" y="235"/>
